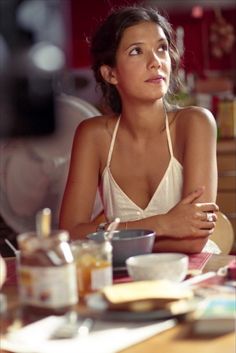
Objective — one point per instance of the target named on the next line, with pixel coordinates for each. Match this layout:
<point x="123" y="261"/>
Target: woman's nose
<point x="154" y="60"/>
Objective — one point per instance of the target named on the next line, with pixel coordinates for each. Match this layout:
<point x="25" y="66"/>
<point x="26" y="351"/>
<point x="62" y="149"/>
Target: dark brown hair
<point x="106" y="40"/>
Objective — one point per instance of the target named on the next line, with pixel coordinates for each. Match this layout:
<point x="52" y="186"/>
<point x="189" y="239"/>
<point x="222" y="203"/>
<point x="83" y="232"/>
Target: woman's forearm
<point x="189" y="245"/>
<point x="80" y="231"/>
<point x="163" y="243"/>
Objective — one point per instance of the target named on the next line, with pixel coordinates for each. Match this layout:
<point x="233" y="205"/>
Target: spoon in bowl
<point x="111" y="229"/>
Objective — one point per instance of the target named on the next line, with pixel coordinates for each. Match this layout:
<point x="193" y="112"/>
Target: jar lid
<point x="29" y="241"/>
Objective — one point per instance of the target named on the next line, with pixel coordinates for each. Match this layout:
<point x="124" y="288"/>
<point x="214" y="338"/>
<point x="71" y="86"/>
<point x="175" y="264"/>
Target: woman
<point x="154" y="164"/>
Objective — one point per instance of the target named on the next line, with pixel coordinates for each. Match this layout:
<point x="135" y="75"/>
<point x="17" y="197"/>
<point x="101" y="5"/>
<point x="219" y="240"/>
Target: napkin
<point x="198" y="261"/>
<point x="105" y="337"/>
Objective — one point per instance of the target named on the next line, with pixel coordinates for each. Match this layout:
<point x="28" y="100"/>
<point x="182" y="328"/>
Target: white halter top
<point x="168" y="193"/>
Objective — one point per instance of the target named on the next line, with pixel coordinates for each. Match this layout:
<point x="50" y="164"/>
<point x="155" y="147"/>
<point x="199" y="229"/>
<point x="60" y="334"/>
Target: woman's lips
<point x="156" y="79"/>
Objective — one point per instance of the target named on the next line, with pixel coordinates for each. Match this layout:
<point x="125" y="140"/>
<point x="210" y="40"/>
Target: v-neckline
<point x="154" y="194"/>
<point x="172" y="158"/>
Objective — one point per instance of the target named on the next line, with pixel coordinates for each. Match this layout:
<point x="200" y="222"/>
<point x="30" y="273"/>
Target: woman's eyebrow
<point x="133" y="44"/>
<point x="160" y="40"/>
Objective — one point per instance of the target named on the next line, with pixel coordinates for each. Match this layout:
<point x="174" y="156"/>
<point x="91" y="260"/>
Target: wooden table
<point x="176" y="340"/>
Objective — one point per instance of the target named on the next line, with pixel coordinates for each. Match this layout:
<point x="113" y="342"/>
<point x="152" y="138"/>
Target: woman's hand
<point x="189" y="218"/>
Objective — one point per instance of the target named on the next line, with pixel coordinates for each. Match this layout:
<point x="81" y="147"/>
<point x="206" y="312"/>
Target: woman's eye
<point x="163" y="47"/>
<point x="135" y="51"/>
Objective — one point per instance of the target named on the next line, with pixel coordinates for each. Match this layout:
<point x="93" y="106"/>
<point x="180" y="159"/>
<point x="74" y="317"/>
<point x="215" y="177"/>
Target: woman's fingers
<point x="207" y="225"/>
<point x="206" y="216"/>
<point x="208" y="207"/>
<point x="205" y="232"/>
<point x="207" y="213"/>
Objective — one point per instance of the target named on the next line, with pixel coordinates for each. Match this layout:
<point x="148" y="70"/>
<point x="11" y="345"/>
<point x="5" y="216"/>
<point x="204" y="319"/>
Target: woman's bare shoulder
<point x="193" y="117"/>
<point x="92" y="123"/>
<point x="94" y="127"/>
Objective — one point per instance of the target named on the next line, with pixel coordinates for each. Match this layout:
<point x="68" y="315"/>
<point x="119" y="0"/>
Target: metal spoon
<point x="111" y="229"/>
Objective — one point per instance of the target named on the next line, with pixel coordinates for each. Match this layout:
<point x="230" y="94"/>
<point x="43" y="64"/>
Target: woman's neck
<point x="144" y="119"/>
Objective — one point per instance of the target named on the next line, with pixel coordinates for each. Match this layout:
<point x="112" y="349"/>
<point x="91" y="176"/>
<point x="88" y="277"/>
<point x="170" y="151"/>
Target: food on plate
<point x="144" y="295"/>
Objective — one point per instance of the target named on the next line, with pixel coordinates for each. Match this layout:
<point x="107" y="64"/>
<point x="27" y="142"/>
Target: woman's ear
<point x="108" y="74"/>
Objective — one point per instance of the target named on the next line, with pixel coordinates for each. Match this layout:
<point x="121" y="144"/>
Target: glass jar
<point x="47" y="273"/>
<point x="93" y="265"/>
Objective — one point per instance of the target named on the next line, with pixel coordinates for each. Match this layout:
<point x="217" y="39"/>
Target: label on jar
<point x="48" y="287"/>
<point x="101" y="277"/>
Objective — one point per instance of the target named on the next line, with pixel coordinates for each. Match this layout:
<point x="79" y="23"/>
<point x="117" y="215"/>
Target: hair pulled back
<point x="106" y="40"/>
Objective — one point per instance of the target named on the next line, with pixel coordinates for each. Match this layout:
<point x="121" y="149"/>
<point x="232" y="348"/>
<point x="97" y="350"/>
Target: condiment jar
<point x="93" y="265"/>
<point x="47" y="272"/>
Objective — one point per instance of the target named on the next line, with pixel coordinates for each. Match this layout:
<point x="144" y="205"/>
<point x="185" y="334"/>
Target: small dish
<point x="170" y="266"/>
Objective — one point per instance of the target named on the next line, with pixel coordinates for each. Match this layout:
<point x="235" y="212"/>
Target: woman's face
<point x="143" y="63"/>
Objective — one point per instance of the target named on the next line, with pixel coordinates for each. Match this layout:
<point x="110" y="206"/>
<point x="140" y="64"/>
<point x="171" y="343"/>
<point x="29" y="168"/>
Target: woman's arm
<point x="185" y="226"/>
<point x="199" y="158"/>
<point x="200" y="168"/>
<point x="196" y="130"/>
<point x="79" y="195"/>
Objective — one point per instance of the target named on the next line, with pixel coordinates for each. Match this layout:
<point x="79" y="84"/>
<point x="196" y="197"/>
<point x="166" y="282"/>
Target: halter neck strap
<point x="112" y="142"/>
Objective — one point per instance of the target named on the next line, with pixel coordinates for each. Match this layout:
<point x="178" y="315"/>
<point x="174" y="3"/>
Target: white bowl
<point x="170" y="266"/>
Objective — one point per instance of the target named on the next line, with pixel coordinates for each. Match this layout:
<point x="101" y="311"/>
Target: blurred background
<point x="47" y="88"/>
<point x="205" y="37"/>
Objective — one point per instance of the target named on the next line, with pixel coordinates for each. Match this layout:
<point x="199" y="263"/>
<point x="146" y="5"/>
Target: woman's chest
<point x="139" y="174"/>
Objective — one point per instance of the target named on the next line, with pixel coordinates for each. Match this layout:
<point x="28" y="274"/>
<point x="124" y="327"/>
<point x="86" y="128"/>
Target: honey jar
<point x="93" y="265"/>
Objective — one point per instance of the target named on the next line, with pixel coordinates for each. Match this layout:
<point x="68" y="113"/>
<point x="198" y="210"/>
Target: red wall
<point x="85" y="16"/>
<point x="198" y="57"/>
